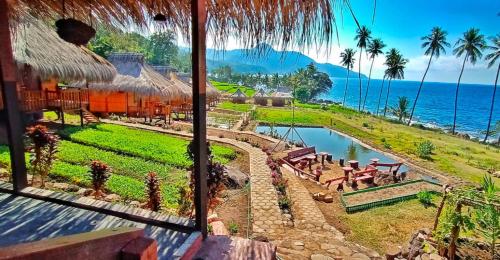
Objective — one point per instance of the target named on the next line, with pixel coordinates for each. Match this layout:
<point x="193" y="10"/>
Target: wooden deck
<point x="65" y="99"/>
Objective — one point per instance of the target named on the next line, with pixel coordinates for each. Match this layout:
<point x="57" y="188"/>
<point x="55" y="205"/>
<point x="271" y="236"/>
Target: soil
<point x="242" y="161"/>
<point x="408" y="189"/>
<point x="234" y="209"/>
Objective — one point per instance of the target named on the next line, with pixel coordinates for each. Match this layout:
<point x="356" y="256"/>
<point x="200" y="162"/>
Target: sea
<point x="435" y="105"/>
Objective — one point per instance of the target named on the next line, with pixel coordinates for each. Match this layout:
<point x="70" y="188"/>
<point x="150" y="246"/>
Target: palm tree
<point x="348" y="61"/>
<point x="493" y="57"/>
<point x="396" y="65"/>
<point x="374" y="49"/>
<point x="380" y="95"/>
<point x="434" y="44"/>
<point x="363" y="36"/>
<point x="471" y="44"/>
<point x="401" y="110"/>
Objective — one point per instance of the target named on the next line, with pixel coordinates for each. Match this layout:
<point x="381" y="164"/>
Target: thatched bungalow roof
<point x="251" y="21"/>
<point x="150" y="82"/>
<point x="238" y="93"/>
<point x="164" y="70"/>
<point x="37" y="45"/>
<point x="284" y="95"/>
<point x="260" y="94"/>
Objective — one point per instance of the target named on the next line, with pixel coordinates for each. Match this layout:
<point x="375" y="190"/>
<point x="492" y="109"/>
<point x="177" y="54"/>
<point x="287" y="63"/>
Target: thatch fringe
<point x="37" y="45"/>
<point x="251" y="21"/>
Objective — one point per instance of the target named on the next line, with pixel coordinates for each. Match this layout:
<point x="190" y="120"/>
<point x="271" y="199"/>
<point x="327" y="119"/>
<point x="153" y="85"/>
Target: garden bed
<point x="385" y="195"/>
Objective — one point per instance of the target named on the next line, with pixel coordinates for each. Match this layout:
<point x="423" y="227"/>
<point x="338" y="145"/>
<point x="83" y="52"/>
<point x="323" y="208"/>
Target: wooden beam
<point x="8" y="85"/>
<point x="198" y="37"/>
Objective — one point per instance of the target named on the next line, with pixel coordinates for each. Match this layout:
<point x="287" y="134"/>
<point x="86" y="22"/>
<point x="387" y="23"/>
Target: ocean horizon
<point x="435" y="105"/>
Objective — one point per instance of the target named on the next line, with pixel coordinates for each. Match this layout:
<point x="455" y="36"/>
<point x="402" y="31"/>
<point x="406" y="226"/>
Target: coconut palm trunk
<point x="492" y="106"/>
<point x="420" y="89"/>
<point x="456" y="96"/>
<point x="346" y="84"/>
<point x="368" y="84"/>
<point x="359" y="76"/>
<point x="387" y="97"/>
<point x="380" y="95"/>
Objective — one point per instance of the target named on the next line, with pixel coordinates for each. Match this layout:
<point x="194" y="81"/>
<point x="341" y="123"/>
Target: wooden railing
<point x="1" y="100"/>
<point x="65" y="99"/>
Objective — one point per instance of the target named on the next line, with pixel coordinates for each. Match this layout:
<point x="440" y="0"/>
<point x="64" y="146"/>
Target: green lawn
<point x="463" y="158"/>
<point x="231" y="88"/>
<point x="233" y="106"/>
<point x="131" y="154"/>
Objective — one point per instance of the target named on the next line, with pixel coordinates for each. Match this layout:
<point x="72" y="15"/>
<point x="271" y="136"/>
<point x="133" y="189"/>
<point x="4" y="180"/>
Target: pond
<point x="326" y="140"/>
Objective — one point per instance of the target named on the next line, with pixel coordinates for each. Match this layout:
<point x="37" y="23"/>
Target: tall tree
<point x="162" y="48"/>
<point x="492" y="58"/>
<point x="348" y="61"/>
<point x="434" y="44"/>
<point x="401" y="109"/>
<point x="363" y="36"/>
<point x="374" y="49"/>
<point x="396" y="65"/>
<point x="380" y="94"/>
<point x="471" y="44"/>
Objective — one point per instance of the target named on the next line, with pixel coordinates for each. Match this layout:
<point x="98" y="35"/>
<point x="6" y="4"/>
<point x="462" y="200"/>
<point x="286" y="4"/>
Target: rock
<point x="328" y="199"/>
<point x="320" y="257"/>
<point x="435" y="257"/>
<point x="359" y="256"/>
<point x="344" y="251"/>
<point x="84" y="192"/>
<point x="421" y="237"/>
<point x="60" y="186"/>
<point x="392" y="254"/>
<point x="425" y="256"/>
<point x="235" y="178"/>
<point x="261" y="239"/>
<point x="135" y="203"/>
<point x="326" y="246"/>
<point x="287" y="216"/>
<point x="112" y="198"/>
<point x="298" y="245"/>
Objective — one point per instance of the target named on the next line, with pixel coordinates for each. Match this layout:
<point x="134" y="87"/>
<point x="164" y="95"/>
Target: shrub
<point x="425" y="149"/>
<point x="153" y="191"/>
<point x="43" y="151"/>
<point x="185" y="202"/>
<point x="210" y="229"/>
<point x="366" y="124"/>
<point x="284" y="202"/>
<point x="233" y="228"/>
<point x="100" y="173"/>
<point x="387" y="146"/>
<point x="425" y="197"/>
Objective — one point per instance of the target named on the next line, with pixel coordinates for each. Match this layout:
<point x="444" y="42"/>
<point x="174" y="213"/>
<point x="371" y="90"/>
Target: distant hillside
<point x="270" y="61"/>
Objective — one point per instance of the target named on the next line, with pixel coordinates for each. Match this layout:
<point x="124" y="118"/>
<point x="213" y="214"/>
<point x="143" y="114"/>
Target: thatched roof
<point x="260" y="94"/>
<point x="37" y="45"/>
<point x="251" y="21"/>
<point x="238" y="93"/>
<point x="164" y="70"/>
<point x="152" y="82"/>
<point x="285" y="95"/>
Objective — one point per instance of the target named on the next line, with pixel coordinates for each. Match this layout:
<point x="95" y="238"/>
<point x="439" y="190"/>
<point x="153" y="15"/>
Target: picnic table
<point x="347" y="170"/>
<point x="354" y="164"/>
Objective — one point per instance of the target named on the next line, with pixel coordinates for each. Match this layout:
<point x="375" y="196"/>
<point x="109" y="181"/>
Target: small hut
<point x="260" y="98"/>
<point x="238" y="97"/>
<point x="280" y="99"/>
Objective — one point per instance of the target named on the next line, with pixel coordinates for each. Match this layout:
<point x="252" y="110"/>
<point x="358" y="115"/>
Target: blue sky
<point x="401" y="24"/>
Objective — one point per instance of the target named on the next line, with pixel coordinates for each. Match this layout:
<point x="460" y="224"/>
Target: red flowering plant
<point x="42" y="151"/>
<point x="100" y="173"/>
<point x="216" y="176"/>
<point x="153" y="191"/>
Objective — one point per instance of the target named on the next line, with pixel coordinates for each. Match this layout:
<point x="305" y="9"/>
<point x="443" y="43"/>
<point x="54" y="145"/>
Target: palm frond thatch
<point x="260" y="94"/>
<point x="37" y="45"/>
<point x="251" y="21"/>
<point x="238" y="94"/>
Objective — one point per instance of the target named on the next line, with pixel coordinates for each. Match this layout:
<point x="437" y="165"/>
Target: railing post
<point x="198" y="21"/>
<point x="14" y="123"/>
<point x="81" y="106"/>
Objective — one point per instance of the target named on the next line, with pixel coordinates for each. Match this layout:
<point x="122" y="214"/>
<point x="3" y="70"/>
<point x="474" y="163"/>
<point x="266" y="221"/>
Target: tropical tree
<point x="492" y="58"/>
<point x="348" y="61"/>
<point x="401" y="110"/>
<point x="380" y="94"/>
<point x="363" y="36"/>
<point x="434" y="44"/>
<point x="395" y="70"/>
<point x="470" y="45"/>
<point x="374" y="49"/>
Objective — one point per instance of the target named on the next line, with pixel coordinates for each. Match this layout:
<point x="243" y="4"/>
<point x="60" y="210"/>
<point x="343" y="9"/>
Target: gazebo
<point x="260" y="98"/>
<point x="238" y="97"/>
<point x="249" y="21"/>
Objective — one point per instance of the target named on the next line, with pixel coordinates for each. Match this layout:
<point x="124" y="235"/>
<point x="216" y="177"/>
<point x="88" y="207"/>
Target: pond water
<point x="329" y="141"/>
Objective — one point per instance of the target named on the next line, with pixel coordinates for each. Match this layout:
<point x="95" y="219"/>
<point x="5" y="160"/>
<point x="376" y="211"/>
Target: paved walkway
<point x="266" y="214"/>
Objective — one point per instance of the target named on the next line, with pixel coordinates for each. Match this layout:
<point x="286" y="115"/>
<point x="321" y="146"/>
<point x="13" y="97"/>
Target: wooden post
<point x="81" y="106"/>
<point x="14" y="123"/>
<point x="198" y="21"/>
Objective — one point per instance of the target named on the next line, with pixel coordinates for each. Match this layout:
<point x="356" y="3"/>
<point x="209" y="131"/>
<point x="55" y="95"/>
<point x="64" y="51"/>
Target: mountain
<point x="267" y="60"/>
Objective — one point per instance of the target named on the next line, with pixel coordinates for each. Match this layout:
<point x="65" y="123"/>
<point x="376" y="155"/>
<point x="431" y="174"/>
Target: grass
<point x="233" y="106"/>
<point x="466" y="159"/>
<point x="383" y="227"/>
<point x="144" y="144"/>
<point x="128" y="172"/>
<point x="231" y="88"/>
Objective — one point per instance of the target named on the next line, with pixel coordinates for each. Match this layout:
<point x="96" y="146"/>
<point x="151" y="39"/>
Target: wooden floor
<point x="26" y="220"/>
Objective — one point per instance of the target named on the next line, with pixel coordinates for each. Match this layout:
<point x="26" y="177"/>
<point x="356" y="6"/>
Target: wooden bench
<point x="301" y="154"/>
<point x="394" y="171"/>
<point x="367" y="174"/>
<point x="336" y="181"/>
